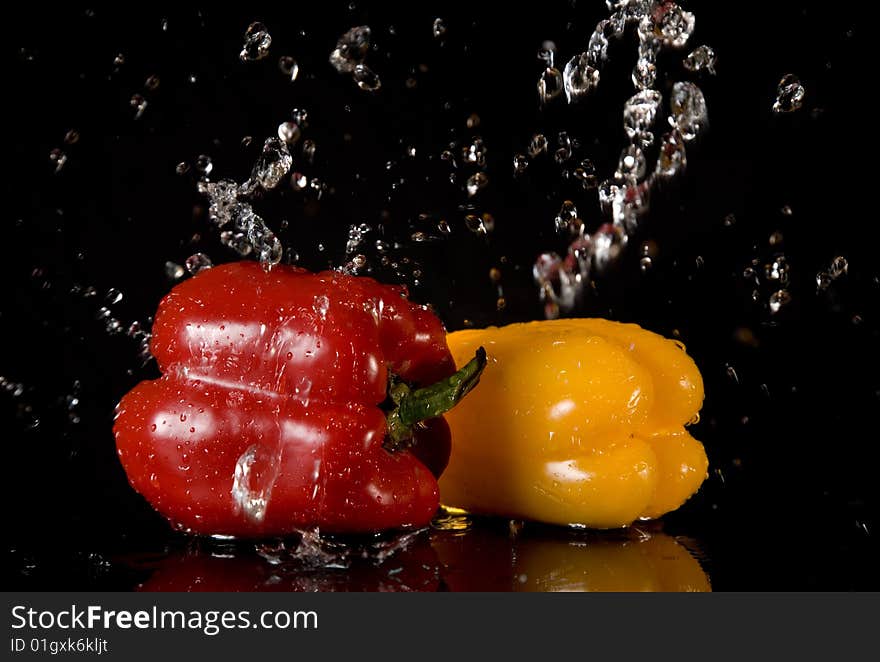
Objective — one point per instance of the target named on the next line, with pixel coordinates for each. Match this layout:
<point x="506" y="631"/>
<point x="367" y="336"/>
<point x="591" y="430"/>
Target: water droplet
<point x="198" y="262"/>
<point x="366" y="78"/>
<point x="631" y="166"/>
<point x="550" y="85"/>
<point x="257" y="41"/>
<point x="71" y="137"/>
<point x="58" y="158"/>
<point x="688" y="107"/>
<point x="139" y="104"/>
<point x="579" y="77"/>
<point x="152" y="83"/>
<point x="351" y="49"/>
<point x="476" y="183"/>
<point x="289" y="132"/>
<point x="439" y="28"/>
<point x="475" y="152"/>
<point x="269" y="249"/>
<point x="520" y="163"/>
<point x="204" y="166"/>
<point x="475" y="224"/>
<point x="778" y="270"/>
<point x="597" y="47"/>
<point x="567" y="218"/>
<point x="779" y="299"/>
<point x="789" y="95"/>
<point x="114" y="296"/>
<point x="702" y="58"/>
<point x="182" y="168"/>
<point x="608" y="244"/>
<point x="308" y="150"/>
<point x="823" y="281"/>
<point x="670" y="23"/>
<point x="298" y="181"/>
<point x="289" y="67"/>
<point x="639" y="113"/>
<point x="174" y="271"/>
<point x="538" y="145"/>
<point x="672" y="158"/>
<point x="839" y="267"/>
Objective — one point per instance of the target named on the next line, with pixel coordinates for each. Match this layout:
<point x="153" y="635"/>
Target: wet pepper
<point x="287" y="400"/>
<point x="576" y="421"/>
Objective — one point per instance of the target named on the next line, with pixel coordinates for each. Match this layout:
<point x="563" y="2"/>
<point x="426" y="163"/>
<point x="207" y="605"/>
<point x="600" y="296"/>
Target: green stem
<point x="415" y="405"/>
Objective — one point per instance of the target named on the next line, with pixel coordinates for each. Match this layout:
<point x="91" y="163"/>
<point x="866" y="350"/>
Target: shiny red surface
<point x="292" y="365"/>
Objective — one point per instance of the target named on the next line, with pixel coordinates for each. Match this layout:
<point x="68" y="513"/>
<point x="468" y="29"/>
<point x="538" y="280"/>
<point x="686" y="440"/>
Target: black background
<point x="790" y="503"/>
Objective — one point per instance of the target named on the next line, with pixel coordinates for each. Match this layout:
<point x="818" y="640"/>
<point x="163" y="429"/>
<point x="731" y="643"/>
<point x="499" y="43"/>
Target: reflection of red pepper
<point x="267" y="416"/>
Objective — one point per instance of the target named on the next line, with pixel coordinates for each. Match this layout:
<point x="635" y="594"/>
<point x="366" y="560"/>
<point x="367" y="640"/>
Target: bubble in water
<point x="702" y="58"/>
<point x="779" y="299"/>
<point x="538" y="145"/>
<point x="476" y="183"/>
<point x="366" y="78"/>
<point x="257" y="41"/>
<point x="351" y="49"/>
<point x="579" y="77"/>
<point x="289" y="67"/>
<point x="273" y="164"/>
<point x="58" y="158"/>
<point x="639" y="113"/>
<point x="789" y="95"/>
<point x="520" y="163"/>
<point x="198" y="262"/>
<point x="688" y="108"/>
<point x="289" y="132"/>
<point x="139" y="104"/>
<point x="672" y="158"/>
<point x="550" y="85"/>
<point x="439" y="28"/>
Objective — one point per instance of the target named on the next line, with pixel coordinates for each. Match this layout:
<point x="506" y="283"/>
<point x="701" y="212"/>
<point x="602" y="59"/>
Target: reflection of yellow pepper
<point x="486" y="560"/>
<point x="575" y="421"/>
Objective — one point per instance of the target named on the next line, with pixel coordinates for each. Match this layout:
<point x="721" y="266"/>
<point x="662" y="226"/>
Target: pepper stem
<point x="415" y="405"/>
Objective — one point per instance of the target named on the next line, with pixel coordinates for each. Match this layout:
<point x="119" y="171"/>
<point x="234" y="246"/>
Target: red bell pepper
<point x="291" y="400"/>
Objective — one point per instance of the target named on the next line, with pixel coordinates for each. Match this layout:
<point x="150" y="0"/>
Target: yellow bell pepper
<point x="575" y="421"/>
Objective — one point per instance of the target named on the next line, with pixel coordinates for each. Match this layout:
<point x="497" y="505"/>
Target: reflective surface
<point x="760" y="256"/>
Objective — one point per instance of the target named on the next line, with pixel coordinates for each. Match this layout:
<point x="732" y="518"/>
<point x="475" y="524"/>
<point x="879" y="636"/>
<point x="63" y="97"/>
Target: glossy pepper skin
<point x="576" y="421"/>
<point x="266" y="418"/>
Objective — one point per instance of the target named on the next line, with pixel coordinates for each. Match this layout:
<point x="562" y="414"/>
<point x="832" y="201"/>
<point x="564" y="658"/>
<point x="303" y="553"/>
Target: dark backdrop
<point x="789" y="419"/>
